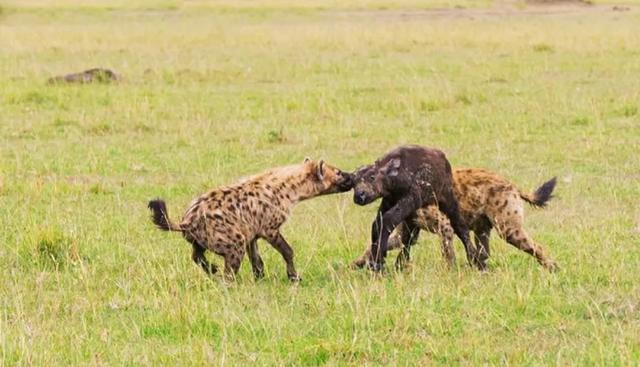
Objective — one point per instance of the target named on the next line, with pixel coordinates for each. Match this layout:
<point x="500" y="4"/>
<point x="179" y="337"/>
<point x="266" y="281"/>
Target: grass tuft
<point x="543" y="47"/>
<point x="276" y="136"/>
<point x="627" y="111"/>
<point x="53" y="250"/>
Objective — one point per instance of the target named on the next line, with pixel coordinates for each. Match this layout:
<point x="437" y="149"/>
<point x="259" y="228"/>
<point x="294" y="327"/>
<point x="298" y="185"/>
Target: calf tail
<point x="160" y="218"/>
<point x="543" y="194"/>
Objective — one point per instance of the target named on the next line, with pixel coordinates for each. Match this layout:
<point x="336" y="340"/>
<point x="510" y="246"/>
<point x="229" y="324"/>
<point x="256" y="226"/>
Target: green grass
<point x="215" y="91"/>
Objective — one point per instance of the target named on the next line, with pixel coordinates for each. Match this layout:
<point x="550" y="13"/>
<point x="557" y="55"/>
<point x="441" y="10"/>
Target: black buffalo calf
<point x="408" y="178"/>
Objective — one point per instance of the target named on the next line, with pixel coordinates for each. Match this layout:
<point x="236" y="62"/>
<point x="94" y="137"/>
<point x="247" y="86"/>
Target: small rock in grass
<point x="95" y="75"/>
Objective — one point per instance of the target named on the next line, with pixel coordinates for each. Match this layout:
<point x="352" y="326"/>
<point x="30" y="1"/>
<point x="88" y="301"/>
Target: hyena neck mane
<point x="288" y="185"/>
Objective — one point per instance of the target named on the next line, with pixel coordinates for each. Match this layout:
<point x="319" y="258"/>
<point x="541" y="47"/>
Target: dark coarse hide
<point x="408" y="178"/>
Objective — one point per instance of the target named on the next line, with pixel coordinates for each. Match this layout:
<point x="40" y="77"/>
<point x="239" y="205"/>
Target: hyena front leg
<point x="280" y="244"/>
<point x="446" y="236"/>
<point x="433" y="220"/>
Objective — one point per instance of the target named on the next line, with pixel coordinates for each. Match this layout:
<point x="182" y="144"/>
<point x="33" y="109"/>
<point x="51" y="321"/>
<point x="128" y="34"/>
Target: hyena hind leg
<point x="198" y="257"/>
<point x="280" y="244"/>
<point x="257" y="265"/>
<point x="232" y="260"/>
<point x="521" y="240"/>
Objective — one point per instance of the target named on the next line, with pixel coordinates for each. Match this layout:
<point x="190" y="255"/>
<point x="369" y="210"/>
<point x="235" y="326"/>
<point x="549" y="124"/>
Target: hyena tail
<point x="543" y="194"/>
<point x="160" y="218"/>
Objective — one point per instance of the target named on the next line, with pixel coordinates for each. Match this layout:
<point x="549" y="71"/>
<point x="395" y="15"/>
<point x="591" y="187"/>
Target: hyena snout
<point x="346" y="181"/>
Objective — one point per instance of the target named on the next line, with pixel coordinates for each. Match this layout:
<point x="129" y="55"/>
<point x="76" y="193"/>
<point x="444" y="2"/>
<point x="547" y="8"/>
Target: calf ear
<point x="395" y="163"/>
<point x="320" y="170"/>
<point x="391" y="168"/>
<point x="359" y="171"/>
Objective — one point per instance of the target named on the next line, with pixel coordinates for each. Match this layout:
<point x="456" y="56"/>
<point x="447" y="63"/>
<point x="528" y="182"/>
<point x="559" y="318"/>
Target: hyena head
<point x="371" y="181"/>
<point x="327" y="179"/>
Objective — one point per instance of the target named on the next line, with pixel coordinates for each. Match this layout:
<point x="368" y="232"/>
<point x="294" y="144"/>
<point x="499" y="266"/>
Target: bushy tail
<point x="543" y="194"/>
<point x="160" y="218"/>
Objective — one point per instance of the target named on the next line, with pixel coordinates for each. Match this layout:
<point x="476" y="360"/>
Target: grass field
<point x="214" y="91"/>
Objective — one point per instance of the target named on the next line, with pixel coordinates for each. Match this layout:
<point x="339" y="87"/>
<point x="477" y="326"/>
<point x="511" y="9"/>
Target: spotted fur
<point x="229" y="220"/>
<point x="486" y="201"/>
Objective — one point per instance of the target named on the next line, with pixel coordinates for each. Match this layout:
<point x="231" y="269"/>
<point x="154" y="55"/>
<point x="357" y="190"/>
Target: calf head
<point x="373" y="181"/>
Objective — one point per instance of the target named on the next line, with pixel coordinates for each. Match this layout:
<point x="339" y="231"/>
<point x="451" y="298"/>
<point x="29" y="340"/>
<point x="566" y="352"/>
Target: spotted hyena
<point x="486" y="201"/>
<point x="408" y="178"/>
<point x="229" y="220"/>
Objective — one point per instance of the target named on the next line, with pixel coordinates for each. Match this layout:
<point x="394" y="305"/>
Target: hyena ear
<point x="320" y="170"/>
<point x="306" y="160"/>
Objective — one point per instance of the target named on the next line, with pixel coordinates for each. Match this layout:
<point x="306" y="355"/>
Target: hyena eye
<point x="371" y="178"/>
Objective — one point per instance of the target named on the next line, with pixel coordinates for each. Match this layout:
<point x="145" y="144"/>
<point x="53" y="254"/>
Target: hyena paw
<point x="552" y="266"/>
<point x="358" y="264"/>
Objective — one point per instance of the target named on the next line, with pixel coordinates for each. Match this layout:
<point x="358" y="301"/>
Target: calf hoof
<point x="295" y="278"/>
<point x="258" y="275"/>
<point x="375" y="267"/>
<point x="482" y="255"/>
<point x="482" y="266"/>
<point x="477" y="261"/>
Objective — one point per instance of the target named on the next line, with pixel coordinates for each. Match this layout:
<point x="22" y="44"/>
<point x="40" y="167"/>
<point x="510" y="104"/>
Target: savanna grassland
<point x="214" y="91"/>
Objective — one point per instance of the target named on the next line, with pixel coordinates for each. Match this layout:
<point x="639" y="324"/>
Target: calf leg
<point x="408" y="232"/>
<point x="481" y="234"/>
<point x="481" y="239"/>
<point x="375" y="251"/>
<point x="386" y="222"/>
<point x="257" y="265"/>
<point x="280" y="244"/>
